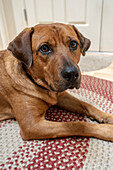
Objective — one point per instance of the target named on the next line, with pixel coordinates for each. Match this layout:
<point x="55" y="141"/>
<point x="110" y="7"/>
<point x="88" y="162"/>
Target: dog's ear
<point x="84" y="42"/>
<point x="21" y="46"/>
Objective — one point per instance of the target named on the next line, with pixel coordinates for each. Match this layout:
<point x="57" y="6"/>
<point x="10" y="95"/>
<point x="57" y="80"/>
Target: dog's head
<point x="51" y="54"/>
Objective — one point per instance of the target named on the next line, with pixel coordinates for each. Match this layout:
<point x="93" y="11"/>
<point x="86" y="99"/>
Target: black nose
<point x="70" y="73"/>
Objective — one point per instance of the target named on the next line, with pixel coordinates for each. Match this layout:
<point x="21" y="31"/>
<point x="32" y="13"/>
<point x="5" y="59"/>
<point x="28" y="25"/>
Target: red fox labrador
<point x="35" y="70"/>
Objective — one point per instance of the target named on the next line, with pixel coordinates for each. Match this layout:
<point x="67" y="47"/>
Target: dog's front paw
<point x="107" y="119"/>
<point x="102" y="117"/>
<point x="106" y="132"/>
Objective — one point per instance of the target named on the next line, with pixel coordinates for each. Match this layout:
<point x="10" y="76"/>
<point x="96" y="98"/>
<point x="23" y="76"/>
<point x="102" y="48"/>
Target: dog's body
<point x="39" y="65"/>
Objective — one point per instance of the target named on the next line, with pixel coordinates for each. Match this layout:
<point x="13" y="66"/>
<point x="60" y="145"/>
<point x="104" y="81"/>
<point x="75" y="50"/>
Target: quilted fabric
<point x="65" y="153"/>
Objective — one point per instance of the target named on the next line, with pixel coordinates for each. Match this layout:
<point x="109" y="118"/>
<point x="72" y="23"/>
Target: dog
<point x="37" y="68"/>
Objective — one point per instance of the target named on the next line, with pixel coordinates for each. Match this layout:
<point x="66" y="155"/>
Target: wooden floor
<point x="105" y="73"/>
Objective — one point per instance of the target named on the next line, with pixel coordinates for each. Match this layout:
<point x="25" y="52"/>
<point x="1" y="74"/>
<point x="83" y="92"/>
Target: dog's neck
<point x="31" y="78"/>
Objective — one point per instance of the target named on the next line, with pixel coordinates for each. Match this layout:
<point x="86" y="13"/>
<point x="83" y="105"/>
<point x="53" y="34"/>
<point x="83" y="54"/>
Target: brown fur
<point x="27" y="92"/>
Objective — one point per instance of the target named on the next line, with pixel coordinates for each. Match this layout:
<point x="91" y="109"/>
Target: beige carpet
<point x="95" y="61"/>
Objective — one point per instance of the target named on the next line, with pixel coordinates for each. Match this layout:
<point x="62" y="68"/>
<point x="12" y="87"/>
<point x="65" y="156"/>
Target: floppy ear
<point x="84" y="42"/>
<point x="21" y="46"/>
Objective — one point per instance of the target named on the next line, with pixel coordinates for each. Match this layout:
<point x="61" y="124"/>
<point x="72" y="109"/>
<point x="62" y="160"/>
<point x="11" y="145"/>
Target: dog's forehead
<point x="59" y="28"/>
<point x="49" y="32"/>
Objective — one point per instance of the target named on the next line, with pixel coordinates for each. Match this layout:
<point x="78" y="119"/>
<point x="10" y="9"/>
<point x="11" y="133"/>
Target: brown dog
<point x="39" y="65"/>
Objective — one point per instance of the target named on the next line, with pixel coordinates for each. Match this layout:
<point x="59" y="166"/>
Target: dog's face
<point x="51" y="53"/>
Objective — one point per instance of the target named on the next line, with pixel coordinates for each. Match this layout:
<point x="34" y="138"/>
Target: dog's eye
<point x="73" y="45"/>
<point x="45" y="49"/>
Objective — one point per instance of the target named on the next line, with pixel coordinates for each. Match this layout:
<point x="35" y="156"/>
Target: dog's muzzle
<point x="71" y="78"/>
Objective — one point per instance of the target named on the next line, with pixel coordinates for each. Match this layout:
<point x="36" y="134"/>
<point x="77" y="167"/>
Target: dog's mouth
<point x="72" y="87"/>
<point x="64" y="87"/>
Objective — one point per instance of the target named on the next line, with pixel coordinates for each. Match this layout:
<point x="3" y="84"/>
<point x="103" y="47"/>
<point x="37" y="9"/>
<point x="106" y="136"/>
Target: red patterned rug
<point x="66" y="153"/>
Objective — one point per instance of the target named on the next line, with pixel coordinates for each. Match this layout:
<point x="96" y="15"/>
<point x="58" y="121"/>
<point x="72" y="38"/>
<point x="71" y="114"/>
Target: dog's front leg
<point x="30" y="114"/>
<point x="70" y="103"/>
<point x="47" y="129"/>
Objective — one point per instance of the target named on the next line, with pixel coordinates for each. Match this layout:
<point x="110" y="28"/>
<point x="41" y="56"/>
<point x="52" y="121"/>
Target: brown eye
<point x="45" y="49"/>
<point x="73" y="45"/>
